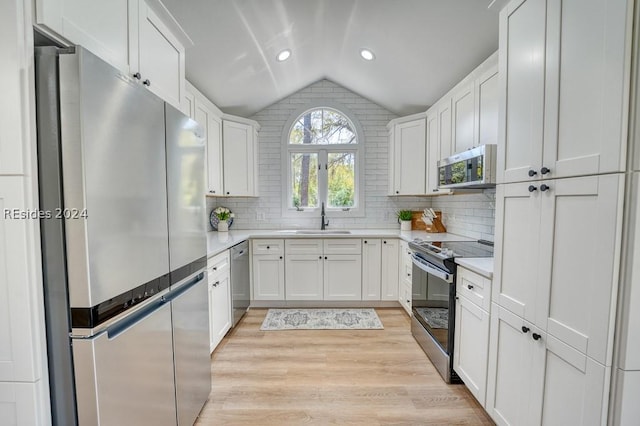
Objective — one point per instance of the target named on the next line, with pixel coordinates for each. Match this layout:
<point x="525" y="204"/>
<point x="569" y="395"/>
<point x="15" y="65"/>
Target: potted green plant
<point x="404" y="217"/>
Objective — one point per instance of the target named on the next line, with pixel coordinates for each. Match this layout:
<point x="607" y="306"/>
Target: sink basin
<point x="315" y="232"/>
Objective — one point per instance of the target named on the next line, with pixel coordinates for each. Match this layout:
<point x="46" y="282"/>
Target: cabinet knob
<point x="319" y="257"/>
<point x="408" y="301"/>
<point x="212" y="191"/>
<point x="268" y="247"/>
<point x="384" y="242"/>
<point x="325" y="258"/>
<point x="457" y="298"/>
<point x="532" y="188"/>
<point x="216" y="283"/>
<point x="469" y="286"/>
<point x="532" y="173"/>
<point x="525" y="329"/>
<point x="536" y="336"/>
<point x="227" y="192"/>
<point x="545" y="170"/>
<point x="137" y="76"/>
<point x="408" y="275"/>
<point x="544" y="187"/>
<point x="280" y="257"/>
<point x="397" y="192"/>
<point x="435" y="190"/>
<point x="365" y="241"/>
<point x="147" y="82"/>
<point x="215" y="268"/>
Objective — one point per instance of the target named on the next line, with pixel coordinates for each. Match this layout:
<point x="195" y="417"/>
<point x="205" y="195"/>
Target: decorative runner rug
<point x="321" y="319"/>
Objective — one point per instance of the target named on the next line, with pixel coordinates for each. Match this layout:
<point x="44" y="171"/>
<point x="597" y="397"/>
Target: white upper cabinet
<point x="160" y="57"/>
<point x="408" y="145"/>
<point x="549" y="270"/>
<point x="239" y="142"/>
<point x="463" y="108"/>
<point x="487" y="105"/>
<point x="100" y="26"/>
<point x="565" y="71"/>
<point x="139" y="38"/>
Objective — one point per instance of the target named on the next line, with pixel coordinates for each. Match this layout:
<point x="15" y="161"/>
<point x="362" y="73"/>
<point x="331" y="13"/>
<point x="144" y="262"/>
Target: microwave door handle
<point x="431" y="269"/>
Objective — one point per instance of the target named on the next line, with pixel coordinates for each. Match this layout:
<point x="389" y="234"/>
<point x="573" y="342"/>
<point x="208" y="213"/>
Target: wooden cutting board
<point x="416" y="222"/>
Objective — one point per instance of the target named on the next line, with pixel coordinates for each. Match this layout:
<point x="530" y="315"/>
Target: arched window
<point x="323" y="151"/>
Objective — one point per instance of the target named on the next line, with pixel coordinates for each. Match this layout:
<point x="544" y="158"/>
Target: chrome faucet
<point x="323" y="225"/>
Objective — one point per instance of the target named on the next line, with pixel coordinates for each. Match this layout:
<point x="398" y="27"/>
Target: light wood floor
<point x="337" y="377"/>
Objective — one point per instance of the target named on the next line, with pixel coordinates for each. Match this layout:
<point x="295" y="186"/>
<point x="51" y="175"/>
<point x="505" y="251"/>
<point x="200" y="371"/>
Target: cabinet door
<point x="409" y="157"/>
<point x="463" y="108"/>
<point x="389" y="270"/>
<point x="237" y="142"/>
<point x="343" y="277"/>
<point x="579" y="235"/>
<point x="189" y="105"/>
<point x="585" y="100"/>
<point x="444" y="128"/>
<point x="568" y="387"/>
<point x="517" y="246"/>
<point x="214" y="156"/>
<point x="487" y="107"/>
<point x="20" y="286"/>
<point x="219" y="308"/>
<point x="433" y="151"/>
<point x="160" y="57"/>
<point x="522" y="71"/>
<point x="268" y="277"/>
<point x="509" y="373"/>
<point x="391" y="189"/>
<point x="101" y="27"/>
<point x="304" y="276"/>
<point x="371" y="269"/>
<point x="471" y="347"/>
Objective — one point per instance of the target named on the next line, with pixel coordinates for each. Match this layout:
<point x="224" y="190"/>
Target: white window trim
<point x="322" y="150"/>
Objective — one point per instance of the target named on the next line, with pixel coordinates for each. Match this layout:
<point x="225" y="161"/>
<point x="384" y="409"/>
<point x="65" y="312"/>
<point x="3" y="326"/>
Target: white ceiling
<point x="422" y="48"/>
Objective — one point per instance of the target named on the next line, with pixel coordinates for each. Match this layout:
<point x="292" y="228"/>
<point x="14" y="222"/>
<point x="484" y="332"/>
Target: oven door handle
<point x="429" y="269"/>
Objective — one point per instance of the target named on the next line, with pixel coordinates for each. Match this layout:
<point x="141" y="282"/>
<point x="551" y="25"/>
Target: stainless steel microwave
<point x="475" y="168"/>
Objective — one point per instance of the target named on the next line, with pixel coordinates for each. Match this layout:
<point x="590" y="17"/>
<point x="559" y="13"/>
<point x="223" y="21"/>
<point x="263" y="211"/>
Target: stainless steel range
<point x="434" y="295"/>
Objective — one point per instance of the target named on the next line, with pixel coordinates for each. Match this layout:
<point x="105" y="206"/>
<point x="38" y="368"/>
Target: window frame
<point x="323" y="151"/>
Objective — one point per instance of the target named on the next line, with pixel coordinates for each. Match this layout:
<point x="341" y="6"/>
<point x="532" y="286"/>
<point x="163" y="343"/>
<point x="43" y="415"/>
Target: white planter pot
<point x="405" y="225"/>
<point x="223" y="226"/>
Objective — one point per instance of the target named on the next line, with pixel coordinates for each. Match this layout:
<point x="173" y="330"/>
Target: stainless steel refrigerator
<point x="121" y="178"/>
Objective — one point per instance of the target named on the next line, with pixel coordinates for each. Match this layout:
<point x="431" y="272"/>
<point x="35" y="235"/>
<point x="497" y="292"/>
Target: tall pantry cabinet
<point x="563" y="74"/>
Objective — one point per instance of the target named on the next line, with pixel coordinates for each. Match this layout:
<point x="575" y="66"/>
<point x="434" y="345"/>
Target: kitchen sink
<point x="315" y="232"/>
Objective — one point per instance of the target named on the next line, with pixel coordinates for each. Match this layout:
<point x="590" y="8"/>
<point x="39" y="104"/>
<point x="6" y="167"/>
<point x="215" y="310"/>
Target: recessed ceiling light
<point x="284" y="55"/>
<point x="367" y="55"/>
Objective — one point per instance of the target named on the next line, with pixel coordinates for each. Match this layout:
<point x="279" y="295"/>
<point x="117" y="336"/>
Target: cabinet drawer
<point x="267" y="246"/>
<point x="475" y="287"/>
<point x="343" y="246"/>
<point x="218" y="263"/>
<point x="303" y="246"/>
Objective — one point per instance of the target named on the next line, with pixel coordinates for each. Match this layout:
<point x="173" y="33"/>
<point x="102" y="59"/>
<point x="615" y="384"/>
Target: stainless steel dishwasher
<point x="239" y="280"/>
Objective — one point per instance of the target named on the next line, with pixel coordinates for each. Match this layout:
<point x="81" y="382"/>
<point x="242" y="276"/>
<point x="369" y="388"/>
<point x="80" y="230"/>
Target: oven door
<point x="431" y="304"/>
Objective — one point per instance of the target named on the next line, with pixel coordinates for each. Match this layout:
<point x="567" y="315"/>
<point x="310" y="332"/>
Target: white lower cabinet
<point x="535" y="379"/>
<point x="471" y="347"/>
<point x="389" y="270"/>
<point x="219" y="298"/>
<point x="343" y="277"/>
<point x="303" y="277"/>
<point x="268" y="269"/>
<point x="371" y="269"/>
<point x="404" y="277"/>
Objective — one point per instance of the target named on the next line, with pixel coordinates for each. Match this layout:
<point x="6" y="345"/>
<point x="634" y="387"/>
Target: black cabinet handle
<point x="215" y="268"/>
<point x="319" y="257"/>
<point x="212" y="192"/>
<point x="457" y="298"/>
<point x="325" y="258"/>
<point x="545" y="170"/>
<point x="147" y="82"/>
<point x="365" y="241"/>
<point x="408" y="275"/>
<point x="397" y="192"/>
<point x="536" y="336"/>
<point x="137" y="76"/>
<point x="532" y="188"/>
<point x="280" y="257"/>
<point x="469" y="286"/>
<point x="408" y="301"/>
<point x="525" y="329"/>
<point x="384" y="242"/>
<point x="544" y="187"/>
<point x="227" y="192"/>
<point x="532" y="173"/>
<point x="268" y="247"/>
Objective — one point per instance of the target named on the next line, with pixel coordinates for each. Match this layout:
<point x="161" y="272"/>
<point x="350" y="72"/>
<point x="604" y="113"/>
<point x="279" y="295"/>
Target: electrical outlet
<point x="260" y="216"/>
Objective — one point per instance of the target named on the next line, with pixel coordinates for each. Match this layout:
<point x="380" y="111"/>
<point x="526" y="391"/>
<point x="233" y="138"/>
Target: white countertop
<point x="219" y="241"/>
<point x="479" y="265"/>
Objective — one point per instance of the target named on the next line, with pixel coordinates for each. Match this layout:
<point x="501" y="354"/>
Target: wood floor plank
<point x="326" y="377"/>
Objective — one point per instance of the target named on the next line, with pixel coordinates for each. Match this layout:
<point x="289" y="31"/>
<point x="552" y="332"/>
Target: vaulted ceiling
<point x="422" y="48"/>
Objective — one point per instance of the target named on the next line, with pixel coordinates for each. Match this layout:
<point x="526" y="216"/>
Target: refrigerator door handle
<point x="185" y="287"/>
<point x="126" y="323"/>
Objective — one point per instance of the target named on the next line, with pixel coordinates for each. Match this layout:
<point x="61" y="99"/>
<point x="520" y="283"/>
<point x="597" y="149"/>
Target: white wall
<point x="471" y="215"/>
